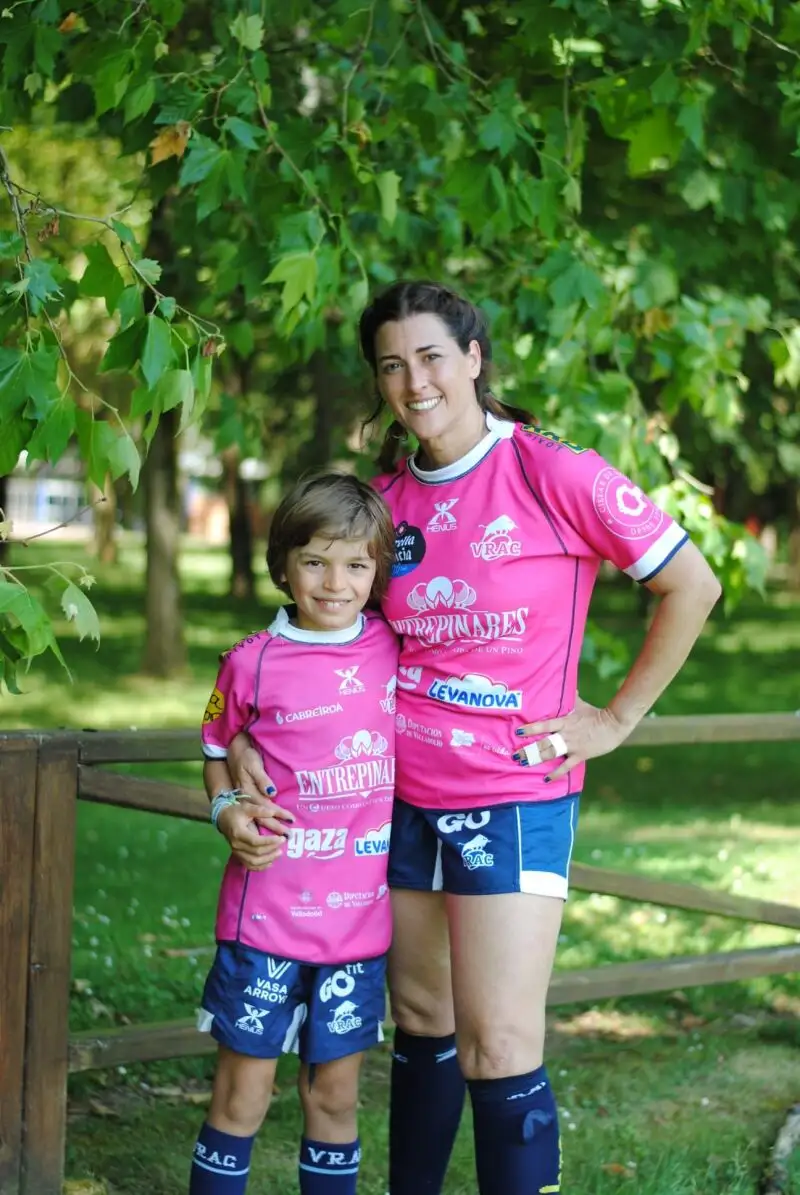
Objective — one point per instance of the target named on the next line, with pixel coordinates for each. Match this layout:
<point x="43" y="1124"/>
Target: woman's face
<point x="424" y="377"/>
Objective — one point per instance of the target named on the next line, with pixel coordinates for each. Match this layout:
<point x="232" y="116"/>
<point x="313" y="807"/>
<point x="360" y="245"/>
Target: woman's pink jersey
<point x="320" y="707"/>
<point x="497" y="556"/>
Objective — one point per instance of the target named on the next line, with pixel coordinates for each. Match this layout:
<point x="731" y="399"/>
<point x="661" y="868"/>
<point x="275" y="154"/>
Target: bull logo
<point x="497" y="540"/>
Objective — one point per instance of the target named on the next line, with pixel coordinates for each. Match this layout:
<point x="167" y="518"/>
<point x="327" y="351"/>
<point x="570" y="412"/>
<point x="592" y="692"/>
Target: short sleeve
<point x="611" y="514"/>
<point x="228" y="710"/>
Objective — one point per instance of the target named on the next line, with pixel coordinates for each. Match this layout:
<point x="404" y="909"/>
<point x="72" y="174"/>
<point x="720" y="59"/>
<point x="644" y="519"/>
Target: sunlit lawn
<point x="662" y="1095"/>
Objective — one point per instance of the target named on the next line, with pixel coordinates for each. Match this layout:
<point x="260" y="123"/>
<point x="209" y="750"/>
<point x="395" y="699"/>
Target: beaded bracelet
<point x="221" y="801"/>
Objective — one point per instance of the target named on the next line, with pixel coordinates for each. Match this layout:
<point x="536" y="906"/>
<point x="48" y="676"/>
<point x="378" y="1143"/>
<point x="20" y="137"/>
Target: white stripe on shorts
<point x="543" y="883"/>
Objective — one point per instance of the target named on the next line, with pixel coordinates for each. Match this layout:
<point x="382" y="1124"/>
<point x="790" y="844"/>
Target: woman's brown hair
<point x="336" y="505"/>
<point x="464" y="322"/>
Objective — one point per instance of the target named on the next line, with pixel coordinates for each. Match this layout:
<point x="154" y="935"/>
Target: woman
<point x="501" y="529"/>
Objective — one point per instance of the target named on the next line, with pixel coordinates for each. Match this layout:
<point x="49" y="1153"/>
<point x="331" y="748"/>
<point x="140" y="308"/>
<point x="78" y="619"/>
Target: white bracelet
<point x="221" y="801"/>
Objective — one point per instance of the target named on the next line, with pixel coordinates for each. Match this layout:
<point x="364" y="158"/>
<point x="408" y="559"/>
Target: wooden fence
<point x="41" y="778"/>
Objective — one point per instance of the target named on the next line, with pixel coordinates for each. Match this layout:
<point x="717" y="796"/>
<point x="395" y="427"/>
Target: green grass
<point x="662" y="1095"/>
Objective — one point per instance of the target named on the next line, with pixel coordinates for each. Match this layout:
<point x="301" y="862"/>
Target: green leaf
<point x="498" y="131"/>
<point x="140" y="100"/>
<point x="247" y="134"/>
<point x="101" y="277"/>
<point x="578" y="281"/>
<point x="167" y="306"/>
<point x="29" y="615"/>
<point x="10" y="665"/>
<point x="148" y="269"/>
<point x="298" y="273"/>
<point x="657" y="285"/>
<point x="203" y="155"/>
<point x="175" y="388"/>
<point x="572" y="194"/>
<point x="701" y="190"/>
<point x="654" y="143"/>
<point x="42" y="284"/>
<point x="388" y="185"/>
<point x="52" y="435"/>
<point x="11" y="244"/>
<point x="201" y="375"/>
<point x="248" y="31"/>
<point x="130" y="306"/>
<point x="78" y="609"/>
<point x="15" y="437"/>
<point x="110" y="82"/>
<point x="125" y="348"/>
<point x="157" y="351"/>
<point x="124" y="233"/>
<point x="123" y="457"/>
<point x="666" y="87"/>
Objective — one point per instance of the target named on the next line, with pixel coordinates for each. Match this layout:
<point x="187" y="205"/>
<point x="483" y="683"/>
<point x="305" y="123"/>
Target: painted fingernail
<point x="547" y="779"/>
<point x="523" y="763"/>
<point x="519" y="730"/>
<point x="271" y="789"/>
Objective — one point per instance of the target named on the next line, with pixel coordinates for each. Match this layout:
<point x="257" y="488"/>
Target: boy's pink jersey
<point x="496" y="558"/>
<point x="320" y="707"/>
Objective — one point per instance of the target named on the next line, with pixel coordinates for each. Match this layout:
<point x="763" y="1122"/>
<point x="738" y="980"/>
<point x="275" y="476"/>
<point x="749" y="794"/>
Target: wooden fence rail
<point x="42" y="774"/>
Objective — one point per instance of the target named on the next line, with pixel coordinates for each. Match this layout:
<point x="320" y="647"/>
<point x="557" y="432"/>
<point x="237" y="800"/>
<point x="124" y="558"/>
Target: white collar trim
<point x="497" y="429"/>
<point x="283" y="627"/>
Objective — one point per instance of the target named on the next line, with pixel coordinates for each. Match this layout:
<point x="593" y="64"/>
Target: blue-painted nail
<point x="271" y="789"/>
<point x="523" y="763"/>
<point x="519" y="730"/>
<point x="547" y="779"/>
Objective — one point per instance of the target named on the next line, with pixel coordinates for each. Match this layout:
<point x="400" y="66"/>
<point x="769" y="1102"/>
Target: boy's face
<point x="330" y="581"/>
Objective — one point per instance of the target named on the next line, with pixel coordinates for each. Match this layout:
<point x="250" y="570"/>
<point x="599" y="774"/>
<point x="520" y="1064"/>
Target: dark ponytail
<point x="464" y="323"/>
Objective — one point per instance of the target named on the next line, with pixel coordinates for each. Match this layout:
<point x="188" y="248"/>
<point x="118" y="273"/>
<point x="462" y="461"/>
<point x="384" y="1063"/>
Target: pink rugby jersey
<point x="496" y="559"/>
<point x="320" y="707"/>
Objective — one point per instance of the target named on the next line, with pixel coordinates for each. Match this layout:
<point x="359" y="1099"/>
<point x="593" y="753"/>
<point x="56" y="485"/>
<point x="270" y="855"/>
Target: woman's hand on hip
<point x="583" y="734"/>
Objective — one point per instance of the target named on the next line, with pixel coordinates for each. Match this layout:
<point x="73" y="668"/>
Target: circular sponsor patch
<point x="334" y="900"/>
<point x="622" y="507"/>
<point x="215" y="707"/>
<point x="409" y="549"/>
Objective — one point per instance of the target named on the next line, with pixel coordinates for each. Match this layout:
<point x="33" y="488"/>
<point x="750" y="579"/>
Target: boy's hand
<point x="255" y="850"/>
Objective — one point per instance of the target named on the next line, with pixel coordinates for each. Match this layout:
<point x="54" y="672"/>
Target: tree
<point x="600" y="177"/>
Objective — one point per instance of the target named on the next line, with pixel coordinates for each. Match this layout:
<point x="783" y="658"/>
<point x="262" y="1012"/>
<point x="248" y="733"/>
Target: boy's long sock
<point x="427" y="1098"/>
<point x="328" y="1169"/>
<point x="221" y="1163"/>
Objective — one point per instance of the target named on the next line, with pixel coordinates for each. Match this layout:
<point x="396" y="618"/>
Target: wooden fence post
<point x="47" y="1044"/>
<point x="18" y="760"/>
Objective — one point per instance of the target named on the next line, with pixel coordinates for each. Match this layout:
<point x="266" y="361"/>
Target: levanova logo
<point x="363" y="766"/>
<point x="443" y="520"/>
<point x="497" y="540"/>
<point x="443" y="614"/>
<point x="476" y="692"/>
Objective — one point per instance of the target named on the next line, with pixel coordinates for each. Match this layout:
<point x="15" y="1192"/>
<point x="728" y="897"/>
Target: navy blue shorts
<point x="263" y="1005"/>
<point x="482" y="851"/>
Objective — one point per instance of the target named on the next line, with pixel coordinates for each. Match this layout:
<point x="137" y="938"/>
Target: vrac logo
<point x="443" y="520"/>
<point x="497" y="541"/>
<point x="375" y="842"/>
<point x="474" y="853"/>
<point x="350" y="682"/>
<point x="344" y="1018"/>
<point x="316" y="844"/>
<point x="389" y="702"/>
<point x="476" y="692"/>
<point x="251" y="1021"/>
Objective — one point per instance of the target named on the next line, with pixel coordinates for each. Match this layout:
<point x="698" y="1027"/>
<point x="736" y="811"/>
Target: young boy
<point x="301" y="945"/>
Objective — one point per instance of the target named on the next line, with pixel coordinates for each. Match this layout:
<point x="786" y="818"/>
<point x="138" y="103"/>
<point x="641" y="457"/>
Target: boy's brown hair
<point x="336" y="505"/>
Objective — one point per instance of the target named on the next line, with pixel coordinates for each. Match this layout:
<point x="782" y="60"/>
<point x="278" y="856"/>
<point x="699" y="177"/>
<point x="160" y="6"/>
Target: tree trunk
<point x="104" y="512"/>
<point x="793" y="491"/>
<point x="243" y="581"/>
<point x="165" y="648"/>
<point x="317" y="451"/>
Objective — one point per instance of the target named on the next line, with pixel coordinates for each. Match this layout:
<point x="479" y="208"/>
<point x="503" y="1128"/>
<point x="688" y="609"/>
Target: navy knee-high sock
<point x="221" y="1163"/>
<point x="517" y="1145"/>
<point x="328" y="1169"/>
<point x="427" y="1098"/>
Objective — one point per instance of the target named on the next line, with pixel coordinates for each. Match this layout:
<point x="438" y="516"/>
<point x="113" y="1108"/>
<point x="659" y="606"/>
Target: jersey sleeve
<point x="228" y="710"/>
<point x="609" y="512"/>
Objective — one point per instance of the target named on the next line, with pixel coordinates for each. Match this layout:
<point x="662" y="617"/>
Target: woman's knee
<point x="497" y="1051"/>
<point x="422" y="1009"/>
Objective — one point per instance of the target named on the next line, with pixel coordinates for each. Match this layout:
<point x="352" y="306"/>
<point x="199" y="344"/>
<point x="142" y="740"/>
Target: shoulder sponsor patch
<point x="215" y="707"/>
<point x="552" y="438"/>
<point x="623" y="508"/>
